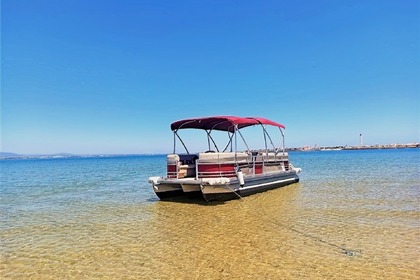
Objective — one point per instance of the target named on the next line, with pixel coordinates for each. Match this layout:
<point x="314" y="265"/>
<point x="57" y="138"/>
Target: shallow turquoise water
<point x="99" y="218"/>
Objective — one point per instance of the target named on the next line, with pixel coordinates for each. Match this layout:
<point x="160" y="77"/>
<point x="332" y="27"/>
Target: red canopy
<point x="224" y="123"/>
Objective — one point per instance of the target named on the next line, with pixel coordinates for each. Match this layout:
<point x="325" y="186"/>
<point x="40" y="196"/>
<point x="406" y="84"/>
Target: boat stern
<point x="165" y="188"/>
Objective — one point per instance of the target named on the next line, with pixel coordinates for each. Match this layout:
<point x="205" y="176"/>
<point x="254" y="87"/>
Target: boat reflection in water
<point x="219" y="175"/>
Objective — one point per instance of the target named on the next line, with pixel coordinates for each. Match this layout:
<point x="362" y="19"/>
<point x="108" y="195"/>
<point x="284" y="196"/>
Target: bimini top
<point x="224" y="123"/>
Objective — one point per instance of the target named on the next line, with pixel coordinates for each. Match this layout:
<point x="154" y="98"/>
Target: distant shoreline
<point x="54" y="156"/>
<point x="9" y="156"/>
<point x="364" y="147"/>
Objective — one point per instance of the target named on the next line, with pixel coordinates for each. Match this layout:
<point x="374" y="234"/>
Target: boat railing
<point x="210" y="165"/>
<point x="220" y="164"/>
<point x="226" y="164"/>
<point x="274" y="161"/>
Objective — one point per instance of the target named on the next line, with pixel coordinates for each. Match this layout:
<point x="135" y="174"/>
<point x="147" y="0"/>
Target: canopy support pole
<point x="282" y="138"/>
<point x="211" y="138"/>
<point x="183" y="144"/>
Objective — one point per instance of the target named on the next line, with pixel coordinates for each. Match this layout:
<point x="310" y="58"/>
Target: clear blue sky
<point x="104" y="76"/>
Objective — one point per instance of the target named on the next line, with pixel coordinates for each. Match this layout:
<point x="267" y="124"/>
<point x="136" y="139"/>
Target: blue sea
<point x="353" y="215"/>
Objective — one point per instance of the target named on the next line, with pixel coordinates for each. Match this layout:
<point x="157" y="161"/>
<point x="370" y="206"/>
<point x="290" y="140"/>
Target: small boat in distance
<point x="225" y="174"/>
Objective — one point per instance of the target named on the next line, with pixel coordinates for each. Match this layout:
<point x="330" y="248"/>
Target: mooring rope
<point x="240" y="197"/>
<point x="347" y="251"/>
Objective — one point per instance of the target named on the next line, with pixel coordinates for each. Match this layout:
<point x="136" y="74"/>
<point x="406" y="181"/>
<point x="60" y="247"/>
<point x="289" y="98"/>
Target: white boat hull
<point x="252" y="185"/>
<point x="221" y="189"/>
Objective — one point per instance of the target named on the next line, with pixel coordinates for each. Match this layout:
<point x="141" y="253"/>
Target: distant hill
<point x="5" y="155"/>
<point x="9" y="155"/>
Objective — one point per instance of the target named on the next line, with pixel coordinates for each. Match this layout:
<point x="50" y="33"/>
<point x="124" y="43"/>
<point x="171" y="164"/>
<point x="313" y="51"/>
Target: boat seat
<point x="184" y="170"/>
<point x="172" y="159"/>
<point x="188" y="158"/>
<point x="273" y="156"/>
<point x="223" y="157"/>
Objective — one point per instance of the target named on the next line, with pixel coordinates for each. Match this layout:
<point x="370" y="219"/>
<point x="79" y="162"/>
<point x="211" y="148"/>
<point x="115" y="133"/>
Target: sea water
<point x="353" y="215"/>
